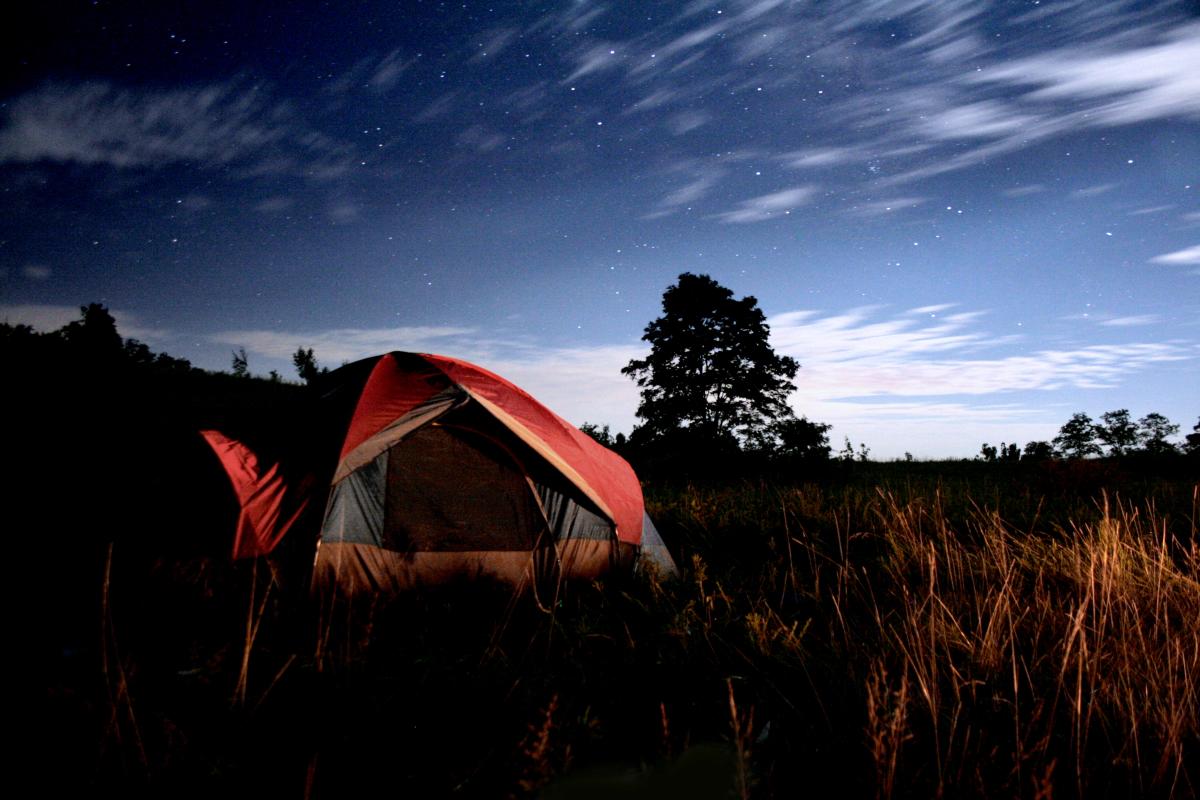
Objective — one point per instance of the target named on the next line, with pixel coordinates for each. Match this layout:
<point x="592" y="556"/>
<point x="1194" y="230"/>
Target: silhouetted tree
<point x="1010" y="453"/>
<point x="711" y="369"/>
<point x="1152" y="432"/>
<point x="800" y="439"/>
<point x="987" y="452"/>
<point x="600" y="433"/>
<point x="306" y="365"/>
<point x="1077" y="438"/>
<point x="1193" y="439"/>
<point x="94" y="335"/>
<point x="1038" y="451"/>
<point x="1117" y="431"/>
<point x="241" y="365"/>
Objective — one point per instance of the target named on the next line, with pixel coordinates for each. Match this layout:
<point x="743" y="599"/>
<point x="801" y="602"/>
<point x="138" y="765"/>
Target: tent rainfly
<point x="447" y="471"/>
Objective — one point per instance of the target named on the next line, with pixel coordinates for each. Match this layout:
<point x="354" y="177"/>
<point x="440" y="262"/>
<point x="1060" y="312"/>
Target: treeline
<point x="1115" y="434"/>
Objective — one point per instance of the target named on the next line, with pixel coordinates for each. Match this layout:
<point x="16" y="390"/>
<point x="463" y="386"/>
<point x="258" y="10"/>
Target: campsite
<point x="709" y="399"/>
<point x="870" y="629"/>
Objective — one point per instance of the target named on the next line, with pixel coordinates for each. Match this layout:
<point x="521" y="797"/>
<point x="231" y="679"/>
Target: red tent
<point x="446" y="470"/>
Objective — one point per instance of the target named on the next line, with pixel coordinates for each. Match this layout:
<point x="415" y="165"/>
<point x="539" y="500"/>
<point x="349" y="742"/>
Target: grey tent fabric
<point x="354" y="513"/>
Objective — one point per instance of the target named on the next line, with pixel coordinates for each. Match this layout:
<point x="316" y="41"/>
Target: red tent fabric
<point x="269" y="508"/>
<point x="445" y="469"/>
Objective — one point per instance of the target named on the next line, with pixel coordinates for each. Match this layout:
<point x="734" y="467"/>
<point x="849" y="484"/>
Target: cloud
<point x="687" y="121"/>
<point x="46" y="318"/>
<point x="819" y="157"/>
<point x="876" y="207"/>
<point x="1119" y="86"/>
<point x="1189" y="255"/>
<point x="388" y="72"/>
<point x="936" y="308"/>
<point x="768" y="206"/>
<point x="43" y="318"/>
<point x="693" y="190"/>
<point x="1132" y="321"/>
<point x="274" y="204"/>
<point x="1093" y="191"/>
<point x="99" y="123"/>
<point x="36" y="272"/>
<point x="927" y="374"/>
<point x="492" y="43"/>
<point x="1024" y="191"/>
<point x="850" y="355"/>
<point x="481" y="139"/>
<point x="341" y="344"/>
<point x="596" y="58"/>
<point x="985" y="119"/>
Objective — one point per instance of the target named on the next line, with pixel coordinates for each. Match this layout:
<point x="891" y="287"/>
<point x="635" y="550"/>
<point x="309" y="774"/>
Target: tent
<point x="444" y="470"/>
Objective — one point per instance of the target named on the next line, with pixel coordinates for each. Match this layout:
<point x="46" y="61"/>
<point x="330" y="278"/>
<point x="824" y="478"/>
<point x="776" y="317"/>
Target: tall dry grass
<point x="996" y="657"/>
<point x="912" y="637"/>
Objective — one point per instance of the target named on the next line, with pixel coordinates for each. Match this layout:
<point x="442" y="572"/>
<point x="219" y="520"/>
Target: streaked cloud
<point x="984" y="119"/>
<point x="851" y="355"/>
<point x="1093" y="191"/>
<point x="36" y="272"/>
<point x="820" y="157"/>
<point x="1135" y="320"/>
<point x="1024" y="191"/>
<point x="46" y="318"/>
<point x="934" y="373"/>
<point x="876" y="207"/>
<point x="341" y="344"/>
<point x="1189" y="255"/>
<point x="100" y="123"/>
<point x="769" y="206"/>
<point x="1119" y="85"/>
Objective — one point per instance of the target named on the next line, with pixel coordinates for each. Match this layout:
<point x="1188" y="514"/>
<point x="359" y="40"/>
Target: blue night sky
<point x="966" y="220"/>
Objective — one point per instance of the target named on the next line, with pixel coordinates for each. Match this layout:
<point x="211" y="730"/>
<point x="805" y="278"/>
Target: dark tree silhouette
<point x="1193" y="439"/>
<point x="1077" y="438"/>
<point x="711" y="370"/>
<point x="801" y="439"/>
<point x="600" y="433"/>
<point x="241" y="364"/>
<point x="1152" y="432"/>
<point x="95" y="334"/>
<point x="306" y="364"/>
<point x="1038" y="450"/>
<point x="1117" y="431"/>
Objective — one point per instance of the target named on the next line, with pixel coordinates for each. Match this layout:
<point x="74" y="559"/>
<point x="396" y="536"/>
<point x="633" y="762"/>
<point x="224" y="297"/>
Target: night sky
<point x="966" y="220"/>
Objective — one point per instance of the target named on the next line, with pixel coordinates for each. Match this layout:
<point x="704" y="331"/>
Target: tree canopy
<point x="711" y="369"/>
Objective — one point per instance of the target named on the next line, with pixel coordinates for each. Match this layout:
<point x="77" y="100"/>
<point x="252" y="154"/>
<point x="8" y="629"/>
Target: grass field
<point x="883" y="630"/>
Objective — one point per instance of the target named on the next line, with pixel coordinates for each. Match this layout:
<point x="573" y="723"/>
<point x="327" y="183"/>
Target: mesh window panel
<point x="454" y="490"/>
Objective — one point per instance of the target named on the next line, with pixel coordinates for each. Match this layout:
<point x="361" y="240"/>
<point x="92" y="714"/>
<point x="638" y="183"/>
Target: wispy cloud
<point x="46" y="318"/>
<point x="99" y="123"/>
<point x="1132" y="321"/>
<point x="1119" y="85"/>
<point x="936" y="374"/>
<point x="1189" y="255"/>
<point x="851" y="355"/>
<point x="820" y="157"/>
<point x="481" y="139"/>
<point x="769" y="206"/>
<point x="36" y="272"/>
<point x="492" y="43"/>
<point x="388" y="71"/>
<point x="984" y="119"/>
<point x="1093" y="191"/>
<point x="1024" y="191"/>
<point x="341" y="344"/>
<point x="874" y="208"/>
